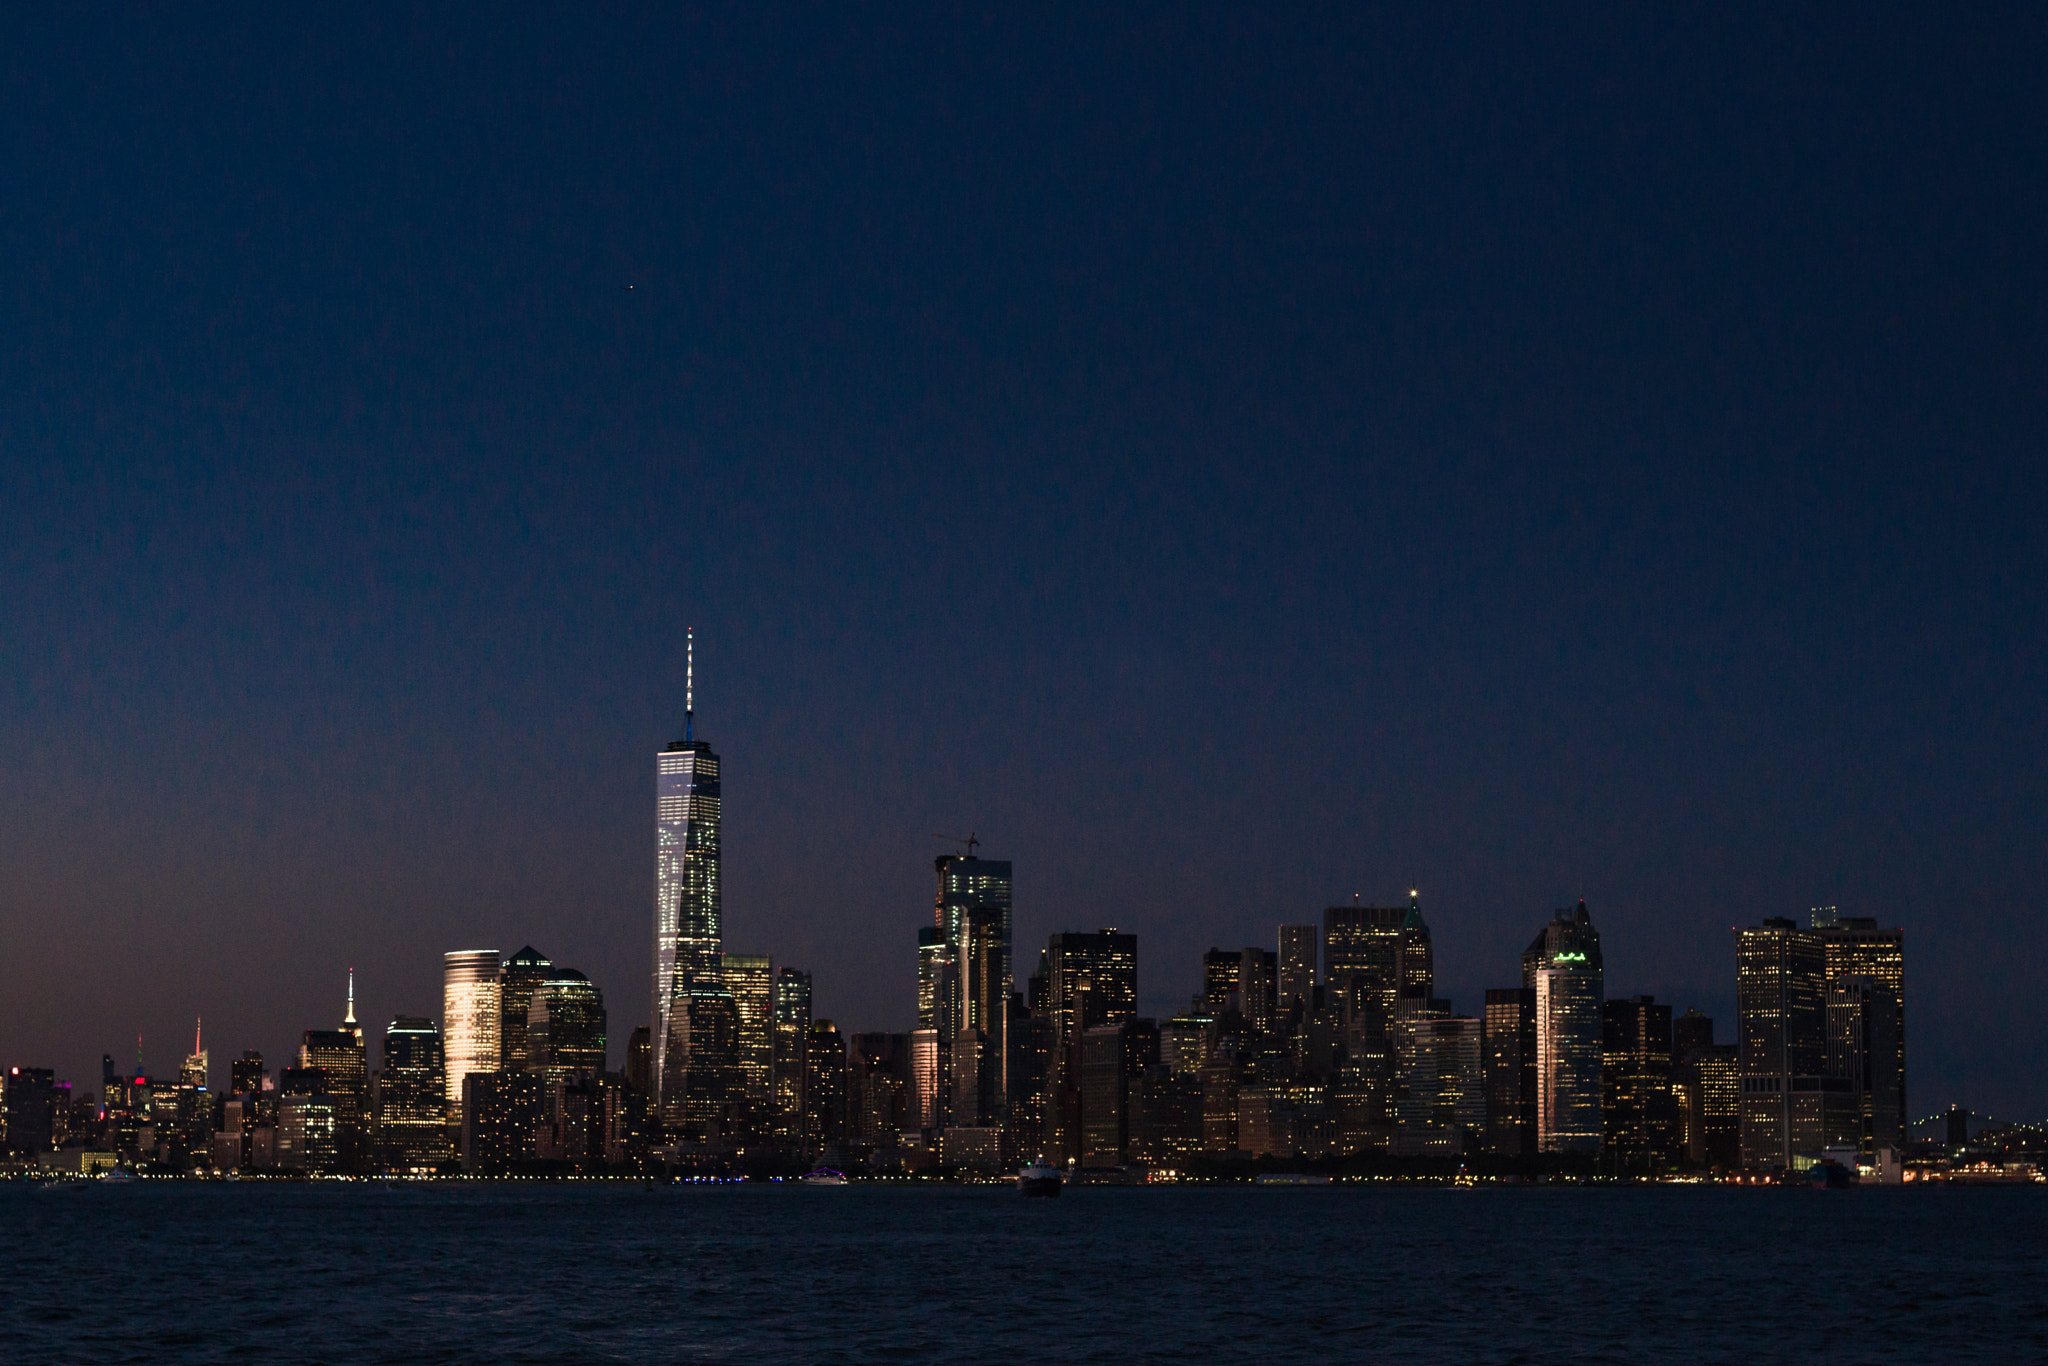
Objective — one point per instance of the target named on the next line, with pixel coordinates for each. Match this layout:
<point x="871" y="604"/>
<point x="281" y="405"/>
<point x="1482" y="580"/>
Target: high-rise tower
<point x="469" y="1017"/>
<point x="972" y="912"/>
<point x="694" y="1019"/>
<point x="1564" y="968"/>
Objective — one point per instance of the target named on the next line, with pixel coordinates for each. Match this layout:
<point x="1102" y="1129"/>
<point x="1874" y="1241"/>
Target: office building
<point x="503" y="1116"/>
<point x="1791" y="1106"/>
<point x="1091" y="979"/>
<point x="1857" y="946"/>
<point x="1373" y="956"/>
<point x="639" y="1061"/>
<point x="1510" y="1066"/>
<point x="1564" y="967"/>
<point x="518" y="977"/>
<point x="1694" y="1029"/>
<point x="565" y="1026"/>
<point x="1863" y="1048"/>
<point x="1639" y="1108"/>
<point x="1220" y="969"/>
<point x="28" y="1106"/>
<point x="1709" y="1091"/>
<point x="412" y="1097"/>
<point x="1257" y="987"/>
<point x="824" y="1087"/>
<point x="695" y="1022"/>
<point x="1297" y="969"/>
<point x="469" y="1017"/>
<point x="792" y="1045"/>
<point x="1440" y="1106"/>
<point x="972" y="911"/>
<point x="934" y="968"/>
<point x="1104" y="1127"/>
<point x="750" y="977"/>
<point x="338" y="1055"/>
<point x="245" y="1074"/>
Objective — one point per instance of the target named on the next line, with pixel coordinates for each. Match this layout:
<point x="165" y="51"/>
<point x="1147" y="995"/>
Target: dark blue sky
<point x="1228" y="461"/>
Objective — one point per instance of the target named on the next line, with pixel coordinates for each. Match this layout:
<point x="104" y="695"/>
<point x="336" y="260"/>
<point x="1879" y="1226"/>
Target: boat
<point x="1039" y="1180"/>
<point x="118" y="1174"/>
<point x="824" y="1176"/>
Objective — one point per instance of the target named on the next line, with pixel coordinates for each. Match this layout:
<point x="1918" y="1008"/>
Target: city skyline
<point x="1228" y="460"/>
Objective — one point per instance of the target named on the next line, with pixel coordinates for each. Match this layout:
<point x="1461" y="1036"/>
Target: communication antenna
<point x="351" y="998"/>
<point x="689" y="683"/>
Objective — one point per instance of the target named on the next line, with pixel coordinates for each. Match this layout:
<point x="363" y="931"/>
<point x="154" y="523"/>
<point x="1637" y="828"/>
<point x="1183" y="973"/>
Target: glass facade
<point x="688" y="974"/>
<point x="469" y="1017"/>
<point x="1564" y="968"/>
<point x="518" y="977"/>
<point x="973" y="979"/>
<point x="565" y="1027"/>
<point x="1568" y="1060"/>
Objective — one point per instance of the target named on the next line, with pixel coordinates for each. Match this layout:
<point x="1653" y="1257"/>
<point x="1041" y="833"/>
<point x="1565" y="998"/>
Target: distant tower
<point x="695" y="1021"/>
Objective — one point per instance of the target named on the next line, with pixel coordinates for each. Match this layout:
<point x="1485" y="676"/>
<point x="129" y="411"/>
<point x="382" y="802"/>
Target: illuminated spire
<point x="351" y="998"/>
<point x="689" y="683"/>
<point x="197" y="1021"/>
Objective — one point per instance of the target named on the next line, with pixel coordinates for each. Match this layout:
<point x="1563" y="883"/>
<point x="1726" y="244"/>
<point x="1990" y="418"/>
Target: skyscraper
<point x="469" y="1017"/>
<point x="1297" y="967"/>
<point x="565" y="1026"/>
<point x="1100" y="969"/>
<point x="972" y="911"/>
<point x="1638" y="1107"/>
<point x="338" y="1055"/>
<point x="517" y="978"/>
<point x="1857" y="946"/>
<point x="695" y="1022"/>
<point x="1257" y="971"/>
<point x="750" y="977"/>
<point x="1374" y="956"/>
<point x="1564" y="967"/>
<point x="792" y="1050"/>
<point x="1511" y="1071"/>
<point x="412" y="1097"/>
<point x="1863" y="1047"/>
<point x="1791" y="1106"/>
<point x="1221" y="969"/>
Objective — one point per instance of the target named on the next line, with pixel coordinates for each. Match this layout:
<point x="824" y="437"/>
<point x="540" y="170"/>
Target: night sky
<point x="1228" y="461"/>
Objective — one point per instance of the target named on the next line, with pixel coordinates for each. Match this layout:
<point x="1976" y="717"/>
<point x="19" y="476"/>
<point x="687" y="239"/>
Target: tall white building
<point x="694" y="1020"/>
<point x="469" y="1017"/>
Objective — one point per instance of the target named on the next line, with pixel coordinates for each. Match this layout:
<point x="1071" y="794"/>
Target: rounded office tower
<point x="469" y="1018"/>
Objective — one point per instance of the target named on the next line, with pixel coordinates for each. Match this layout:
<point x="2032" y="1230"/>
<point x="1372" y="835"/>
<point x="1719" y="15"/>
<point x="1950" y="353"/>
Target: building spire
<point x="197" y="1021"/>
<point x="689" y="683"/>
<point x="351" y="1018"/>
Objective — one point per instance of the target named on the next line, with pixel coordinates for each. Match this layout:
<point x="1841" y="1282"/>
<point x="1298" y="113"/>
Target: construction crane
<point x="969" y="840"/>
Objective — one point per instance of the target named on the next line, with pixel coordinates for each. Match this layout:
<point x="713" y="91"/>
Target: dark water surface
<point x="322" y="1273"/>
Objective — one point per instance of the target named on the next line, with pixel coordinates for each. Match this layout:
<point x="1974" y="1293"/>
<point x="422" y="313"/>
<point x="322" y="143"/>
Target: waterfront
<point x="452" y="1272"/>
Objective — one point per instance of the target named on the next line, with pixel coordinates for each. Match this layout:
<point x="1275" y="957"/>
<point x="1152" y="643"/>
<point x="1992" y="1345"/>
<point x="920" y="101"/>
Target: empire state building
<point x="694" y="1019"/>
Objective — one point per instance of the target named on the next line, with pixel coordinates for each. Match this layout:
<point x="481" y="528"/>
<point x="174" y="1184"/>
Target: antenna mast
<point x="689" y="683"/>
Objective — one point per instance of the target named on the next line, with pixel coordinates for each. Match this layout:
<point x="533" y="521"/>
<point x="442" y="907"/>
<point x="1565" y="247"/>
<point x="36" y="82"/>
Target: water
<point x="255" y="1272"/>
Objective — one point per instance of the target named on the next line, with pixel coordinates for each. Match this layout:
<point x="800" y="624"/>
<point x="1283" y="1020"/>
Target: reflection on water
<point x="261" y="1273"/>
